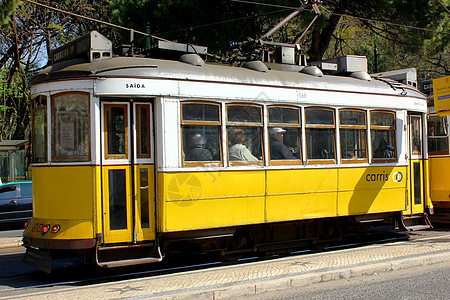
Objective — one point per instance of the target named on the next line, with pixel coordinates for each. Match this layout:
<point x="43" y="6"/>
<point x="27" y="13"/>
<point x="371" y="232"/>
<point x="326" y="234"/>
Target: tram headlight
<point x="55" y="228"/>
<point x="45" y="228"/>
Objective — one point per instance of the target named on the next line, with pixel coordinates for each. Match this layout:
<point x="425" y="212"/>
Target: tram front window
<point x="437" y="135"/>
<point x="71" y="127"/>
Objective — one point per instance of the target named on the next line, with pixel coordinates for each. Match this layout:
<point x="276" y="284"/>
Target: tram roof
<point x="140" y="67"/>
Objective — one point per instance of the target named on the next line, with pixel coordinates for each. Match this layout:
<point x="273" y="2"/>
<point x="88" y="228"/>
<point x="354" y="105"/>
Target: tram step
<point x="128" y="262"/>
<point x="118" y="259"/>
<point x="418" y="227"/>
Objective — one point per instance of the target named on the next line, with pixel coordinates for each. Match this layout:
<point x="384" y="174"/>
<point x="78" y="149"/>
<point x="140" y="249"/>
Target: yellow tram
<point x="134" y="157"/>
<point x="438" y="147"/>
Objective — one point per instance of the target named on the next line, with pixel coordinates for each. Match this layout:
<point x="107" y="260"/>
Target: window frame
<point x="446" y="137"/>
<point x="245" y="124"/>
<point x="105" y="135"/>
<point x="317" y="161"/>
<point x="139" y="155"/>
<point x="33" y="129"/>
<point x="218" y="124"/>
<point x="387" y="128"/>
<point x="419" y="119"/>
<point x="282" y="162"/>
<point x="360" y="127"/>
<point x="55" y="158"/>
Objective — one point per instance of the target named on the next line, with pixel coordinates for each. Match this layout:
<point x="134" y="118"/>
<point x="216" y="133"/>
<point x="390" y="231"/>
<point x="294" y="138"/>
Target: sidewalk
<point x="241" y="280"/>
<point x="10" y="242"/>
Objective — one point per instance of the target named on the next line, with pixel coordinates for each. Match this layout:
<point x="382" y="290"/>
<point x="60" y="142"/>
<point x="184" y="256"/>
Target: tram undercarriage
<point x="229" y="243"/>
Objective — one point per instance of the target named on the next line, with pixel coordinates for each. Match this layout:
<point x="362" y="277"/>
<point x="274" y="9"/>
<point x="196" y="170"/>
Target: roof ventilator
<point x="312" y="70"/>
<point x="361" y="75"/>
<point x="192" y="59"/>
<point x="256" y="65"/>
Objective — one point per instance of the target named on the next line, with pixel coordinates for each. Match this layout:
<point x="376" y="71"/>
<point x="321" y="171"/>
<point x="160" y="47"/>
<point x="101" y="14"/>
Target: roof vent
<point x="361" y="75"/>
<point x="312" y="70"/>
<point x="256" y="65"/>
<point x="192" y="59"/>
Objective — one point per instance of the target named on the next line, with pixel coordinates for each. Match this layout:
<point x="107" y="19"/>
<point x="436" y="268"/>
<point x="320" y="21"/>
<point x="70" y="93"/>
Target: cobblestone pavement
<point x="238" y="281"/>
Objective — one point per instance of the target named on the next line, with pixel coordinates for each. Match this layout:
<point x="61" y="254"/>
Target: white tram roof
<point x="148" y="68"/>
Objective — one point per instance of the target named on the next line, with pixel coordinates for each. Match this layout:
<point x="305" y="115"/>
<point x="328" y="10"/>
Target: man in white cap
<point x="278" y="150"/>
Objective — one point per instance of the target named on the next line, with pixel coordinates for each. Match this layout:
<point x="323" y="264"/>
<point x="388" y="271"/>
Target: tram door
<point x="416" y="166"/>
<point x="128" y="203"/>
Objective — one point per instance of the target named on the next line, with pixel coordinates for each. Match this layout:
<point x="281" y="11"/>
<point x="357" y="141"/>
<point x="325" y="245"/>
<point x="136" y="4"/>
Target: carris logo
<point x="134" y="86"/>
<point x="397" y="176"/>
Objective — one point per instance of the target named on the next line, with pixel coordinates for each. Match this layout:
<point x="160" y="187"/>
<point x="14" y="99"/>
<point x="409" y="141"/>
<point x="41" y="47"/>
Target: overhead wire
<point x="348" y="16"/>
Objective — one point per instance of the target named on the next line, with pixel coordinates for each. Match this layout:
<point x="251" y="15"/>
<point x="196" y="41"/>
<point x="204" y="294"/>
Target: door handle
<point x="13" y="202"/>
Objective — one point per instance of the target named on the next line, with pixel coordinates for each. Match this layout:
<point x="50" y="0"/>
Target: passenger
<point x="238" y="151"/>
<point x="278" y="150"/>
<point x="198" y="151"/>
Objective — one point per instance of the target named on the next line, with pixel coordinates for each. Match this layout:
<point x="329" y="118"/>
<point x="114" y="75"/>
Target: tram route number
<point x="301" y="95"/>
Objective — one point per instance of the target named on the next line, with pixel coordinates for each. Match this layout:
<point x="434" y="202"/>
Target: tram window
<point x="201" y="133"/>
<point x="244" y="134"/>
<point x="416" y="135"/>
<point x="320" y="135"/>
<point x="39" y="129"/>
<point x="353" y="135"/>
<point x="143" y="131"/>
<point x="437" y="135"/>
<point x="70" y="120"/>
<point x="116" y="124"/>
<point x="284" y="135"/>
<point x="382" y="129"/>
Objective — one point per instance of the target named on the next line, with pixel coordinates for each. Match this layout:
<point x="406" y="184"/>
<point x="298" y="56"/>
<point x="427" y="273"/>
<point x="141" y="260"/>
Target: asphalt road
<point x="425" y="282"/>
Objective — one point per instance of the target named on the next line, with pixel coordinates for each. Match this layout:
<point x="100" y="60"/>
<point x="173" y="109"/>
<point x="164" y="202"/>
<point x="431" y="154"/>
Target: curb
<point x="262" y="286"/>
<point x="12" y="244"/>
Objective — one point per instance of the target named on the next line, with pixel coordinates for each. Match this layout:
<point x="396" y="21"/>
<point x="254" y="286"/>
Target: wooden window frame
<point x="419" y="118"/>
<point x="386" y="128"/>
<point x="432" y="153"/>
<point x="283" y="162"/>
<point x="218" y="124"/>
<point x="33" y="134"/>
<point x="105" y="111"/>
<point x="359" y="127"/>
<point x="138" y="136"/>
<point x="53" y="120"/>
<point x="316" y="161"/>
<point x="246" y="124"/>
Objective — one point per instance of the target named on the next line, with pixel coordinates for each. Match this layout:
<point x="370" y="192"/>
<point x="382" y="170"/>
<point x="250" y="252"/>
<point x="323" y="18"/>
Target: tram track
<point x="120" y="275"/>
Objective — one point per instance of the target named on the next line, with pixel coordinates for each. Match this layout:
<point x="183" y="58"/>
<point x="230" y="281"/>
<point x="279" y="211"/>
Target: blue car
<point x="16" y="202"/>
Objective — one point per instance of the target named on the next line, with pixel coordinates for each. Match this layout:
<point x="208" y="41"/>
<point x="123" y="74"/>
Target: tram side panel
<point x="65" y="198"/>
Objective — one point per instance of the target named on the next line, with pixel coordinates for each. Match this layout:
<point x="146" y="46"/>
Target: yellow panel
<point x="371" y="190"/>
<point x="301" y="206"/>
<point x="439" y="178"/>
<point x="371" y="201"/>
<point x="64" y="192"/>
<point x="186" y="215"/>
<point x="193" y="200"/>
<point x="281" y="182"/>
<point x="297" y="194"/>
<point x="69" y="229"/>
